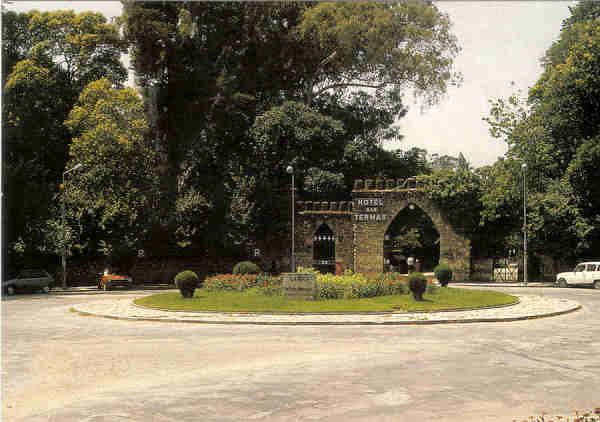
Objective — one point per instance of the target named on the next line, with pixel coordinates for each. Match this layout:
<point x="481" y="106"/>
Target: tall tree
<point x="113" y="197"/>
<point x="555" y="133"/>
<point x="48" y="58"/>
<point x="214" y="72"/>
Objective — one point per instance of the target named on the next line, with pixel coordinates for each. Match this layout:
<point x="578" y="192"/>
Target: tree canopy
<point x="246" y="88"/>
<point x="116" y="191"/>
<point x="231" y="93"/>
<point x="47" y="60"/>
<point x="555" y="131"/>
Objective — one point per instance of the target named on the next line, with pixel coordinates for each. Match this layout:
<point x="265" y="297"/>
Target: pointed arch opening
<point x="324" y="249"/>
<point x="411" y="233"/>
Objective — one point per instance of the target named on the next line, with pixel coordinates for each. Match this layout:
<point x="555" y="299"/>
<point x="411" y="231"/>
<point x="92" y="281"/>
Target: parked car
<point x="31" y="279"/>
<point x="585" y="273"/>
<point x="107" y="280"/>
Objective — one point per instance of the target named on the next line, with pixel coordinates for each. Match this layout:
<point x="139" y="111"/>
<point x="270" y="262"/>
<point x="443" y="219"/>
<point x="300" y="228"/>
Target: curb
<point x="332" y="321"/>
<point x="290" y="323"/>
<point x="508" y="284"/>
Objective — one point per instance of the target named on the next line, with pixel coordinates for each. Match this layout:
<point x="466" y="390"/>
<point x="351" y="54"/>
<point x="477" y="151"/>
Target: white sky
<point x="501" y="42"/>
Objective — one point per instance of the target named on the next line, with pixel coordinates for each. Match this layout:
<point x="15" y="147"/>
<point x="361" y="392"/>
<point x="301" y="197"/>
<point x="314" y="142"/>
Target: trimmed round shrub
<point x="417" y="283"/>
<point x="246" y="267"/>
<point x="443" y="273"/>
<point x="186" y="282"/>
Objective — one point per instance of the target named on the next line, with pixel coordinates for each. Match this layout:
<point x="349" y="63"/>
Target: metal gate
<point x="505" y="269"/>
<point x="324" y="250"/>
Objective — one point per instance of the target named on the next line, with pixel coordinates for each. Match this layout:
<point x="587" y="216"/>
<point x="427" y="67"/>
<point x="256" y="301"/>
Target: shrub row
<point x="245" y="275"/>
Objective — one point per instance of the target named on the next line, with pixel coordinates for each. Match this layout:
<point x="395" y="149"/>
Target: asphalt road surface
<point x="60" y="366"/>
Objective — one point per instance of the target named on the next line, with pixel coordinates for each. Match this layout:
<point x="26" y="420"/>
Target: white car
<point x="586" y="273"/>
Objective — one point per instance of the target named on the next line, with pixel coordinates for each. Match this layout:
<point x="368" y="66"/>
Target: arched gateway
<point x="359" y="226"/>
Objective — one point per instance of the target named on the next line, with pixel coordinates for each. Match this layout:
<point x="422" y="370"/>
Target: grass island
<point x="251" y="300"/>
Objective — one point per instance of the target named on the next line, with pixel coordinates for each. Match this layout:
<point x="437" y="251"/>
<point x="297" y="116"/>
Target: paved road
<point x="60" y="366"/>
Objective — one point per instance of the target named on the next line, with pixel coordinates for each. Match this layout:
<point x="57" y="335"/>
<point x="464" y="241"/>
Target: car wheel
<point x="562" y="283"/>
<point x="597" y="284"/>
<point x="10" y="290"/>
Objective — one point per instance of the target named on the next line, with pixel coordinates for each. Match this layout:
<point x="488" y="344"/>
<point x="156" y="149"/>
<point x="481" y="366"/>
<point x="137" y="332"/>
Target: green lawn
<point x="251" y="301"/>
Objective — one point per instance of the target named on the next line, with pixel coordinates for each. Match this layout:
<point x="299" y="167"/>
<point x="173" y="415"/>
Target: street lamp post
<point x="524" y="167"/>
<point x="290" y="170"/>
<point x="64" y="248"/>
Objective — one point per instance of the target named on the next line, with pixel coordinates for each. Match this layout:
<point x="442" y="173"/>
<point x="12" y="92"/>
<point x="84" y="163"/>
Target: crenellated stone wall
<point x="383" y="184"/>
<point x="315" y="206"/>
<point x="360" y="225"/>
<point x="338" y="216"/>
<point x="376" y="202"/>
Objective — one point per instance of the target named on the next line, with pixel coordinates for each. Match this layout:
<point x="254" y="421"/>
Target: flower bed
<point x="355" y="286"/>
<point x="329" y="286"/>
<point x="239" y="282"/>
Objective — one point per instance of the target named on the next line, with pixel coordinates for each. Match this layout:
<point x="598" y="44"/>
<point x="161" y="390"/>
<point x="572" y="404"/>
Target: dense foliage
<point x="355" y="285"/>
<point x="110" y="201"/>
<point x="237" y="91"/>
<point x="329" y="286"/>
<point x="556" y="133"/>
<point x="443" y="273"/>
<point x="246" y="267"/>
<point x="417" y="283"/>
<point x="236" y="281"/>
<point x="48" y="58"/>
<point x="231" y="94"/>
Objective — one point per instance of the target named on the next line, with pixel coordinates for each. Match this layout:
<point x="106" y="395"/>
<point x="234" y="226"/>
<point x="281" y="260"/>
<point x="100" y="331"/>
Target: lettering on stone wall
<point x="368" y="210"/>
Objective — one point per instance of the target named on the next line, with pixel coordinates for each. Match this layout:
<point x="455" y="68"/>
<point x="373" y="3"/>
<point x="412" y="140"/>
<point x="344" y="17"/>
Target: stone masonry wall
<point x="338" y="216"/>
<point x="360" y="226"/>
<point x="376" y="202"/>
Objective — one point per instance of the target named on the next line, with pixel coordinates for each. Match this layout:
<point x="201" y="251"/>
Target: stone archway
<point x="376" y="202"/>
<point x="411" y="233"/>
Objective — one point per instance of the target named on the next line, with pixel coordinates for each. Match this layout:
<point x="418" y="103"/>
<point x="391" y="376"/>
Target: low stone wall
<point x="299" y="286"/>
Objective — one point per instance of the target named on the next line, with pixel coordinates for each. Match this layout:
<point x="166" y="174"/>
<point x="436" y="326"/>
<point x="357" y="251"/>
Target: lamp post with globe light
<point x="290" y="170"/>
<point x="64" y="227"/>
<point x="524" y="167"/>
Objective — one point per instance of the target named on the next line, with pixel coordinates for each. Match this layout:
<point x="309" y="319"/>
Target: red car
<point x="108" y="280"/>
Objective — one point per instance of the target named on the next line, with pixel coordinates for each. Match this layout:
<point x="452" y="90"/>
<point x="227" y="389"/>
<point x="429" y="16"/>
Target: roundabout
<point x="528" y="307"/>
<point x="61" y="365"/>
